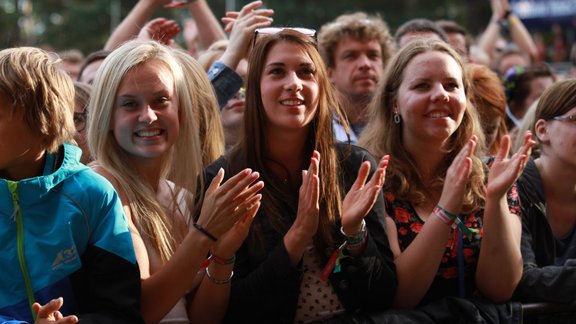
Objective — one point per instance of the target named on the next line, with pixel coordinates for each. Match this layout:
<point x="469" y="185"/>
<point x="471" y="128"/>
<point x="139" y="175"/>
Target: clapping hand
<point x="231" y="241"/>
<point x="457" y="177"/>
<point x="505" y="171"/>
<point x="362" y="196"/>
<point x="227" y="203"/>
<point x="307" y="218"/>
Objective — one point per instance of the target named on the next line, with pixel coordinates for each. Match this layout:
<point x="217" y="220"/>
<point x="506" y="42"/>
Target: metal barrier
<point x="548" y="313"/>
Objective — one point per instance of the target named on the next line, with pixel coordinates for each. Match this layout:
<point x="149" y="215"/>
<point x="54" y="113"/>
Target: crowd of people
<point x="273" y="174"/>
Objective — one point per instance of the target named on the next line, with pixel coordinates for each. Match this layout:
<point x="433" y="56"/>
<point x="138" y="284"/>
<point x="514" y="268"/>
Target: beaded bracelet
<point x="204" y="231"/>
<point x="218" y="281"/>
<point x="221" y="261"/>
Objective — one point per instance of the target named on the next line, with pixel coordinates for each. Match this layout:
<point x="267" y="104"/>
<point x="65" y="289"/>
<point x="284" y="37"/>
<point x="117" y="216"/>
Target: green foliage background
<point x="86" y="24"/>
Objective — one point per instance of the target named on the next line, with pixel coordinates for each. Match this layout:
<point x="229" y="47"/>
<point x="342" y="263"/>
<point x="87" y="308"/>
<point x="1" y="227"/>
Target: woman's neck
<point x="149" y="171"/>
<point x="286" y="153"/>
<point x="427" y="157"/>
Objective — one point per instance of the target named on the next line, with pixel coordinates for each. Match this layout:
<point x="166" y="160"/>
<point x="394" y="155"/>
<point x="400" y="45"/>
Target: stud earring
<point x="396" y="118"/>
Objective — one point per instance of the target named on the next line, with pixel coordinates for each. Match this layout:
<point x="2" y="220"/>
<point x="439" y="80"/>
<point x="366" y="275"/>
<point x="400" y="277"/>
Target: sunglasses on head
<point x="568" y="118"/>
<point x="275" y="30"/>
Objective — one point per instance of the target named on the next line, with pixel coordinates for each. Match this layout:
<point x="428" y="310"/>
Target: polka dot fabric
<point x="317" y="299"/>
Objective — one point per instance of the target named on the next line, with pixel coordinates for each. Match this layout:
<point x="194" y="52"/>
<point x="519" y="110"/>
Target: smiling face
<point x="145" y="119"/>
<point x="289" y="88"/>
<point x="357" y="67"/>
<point x="431" y="99"/>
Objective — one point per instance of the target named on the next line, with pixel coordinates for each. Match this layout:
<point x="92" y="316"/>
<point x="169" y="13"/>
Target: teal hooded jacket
<point x="64" y="234"/>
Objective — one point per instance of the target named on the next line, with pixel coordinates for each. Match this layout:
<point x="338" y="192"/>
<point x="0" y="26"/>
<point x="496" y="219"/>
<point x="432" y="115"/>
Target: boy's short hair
<point x="419" y="25"/>
<point x="32" y="80"/>
<point x="359" y="26"/>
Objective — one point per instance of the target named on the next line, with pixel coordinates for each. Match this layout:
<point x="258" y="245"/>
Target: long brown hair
<point x="251" y="151"/>
<point x="382" y="136"/>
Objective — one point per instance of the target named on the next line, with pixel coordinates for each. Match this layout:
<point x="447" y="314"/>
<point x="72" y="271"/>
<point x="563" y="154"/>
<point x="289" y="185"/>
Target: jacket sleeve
<point x="541" y="281"/>
<point x="225" y="81"/>
<point x="107" y="286"/>
<point x="368" y="282"/>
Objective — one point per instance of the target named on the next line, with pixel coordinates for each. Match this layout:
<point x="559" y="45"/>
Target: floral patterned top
<point x="446" y="283"/>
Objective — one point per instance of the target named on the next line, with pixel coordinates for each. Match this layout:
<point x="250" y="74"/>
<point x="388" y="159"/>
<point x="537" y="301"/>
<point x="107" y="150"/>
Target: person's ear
<point x="541" y="131"/>
<point x="330" y="71"/>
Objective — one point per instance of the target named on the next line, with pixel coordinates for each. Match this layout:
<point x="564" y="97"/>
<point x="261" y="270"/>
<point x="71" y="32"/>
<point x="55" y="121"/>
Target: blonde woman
<point x="144" y="136"/>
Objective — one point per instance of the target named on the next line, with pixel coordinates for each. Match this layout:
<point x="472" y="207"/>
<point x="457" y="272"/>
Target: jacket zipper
<point x="17" y="216"/>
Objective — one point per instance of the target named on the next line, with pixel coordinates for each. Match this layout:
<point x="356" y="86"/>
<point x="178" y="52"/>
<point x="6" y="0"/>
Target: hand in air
<point x="161" y="30"/>
<point x="50" y="313"/>
<point x="362" y="196"/>
<point x="242" y="25"/>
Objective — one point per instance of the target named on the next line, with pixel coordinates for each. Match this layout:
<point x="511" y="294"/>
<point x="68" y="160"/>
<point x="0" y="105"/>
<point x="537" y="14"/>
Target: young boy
<point x="62" y="229"/>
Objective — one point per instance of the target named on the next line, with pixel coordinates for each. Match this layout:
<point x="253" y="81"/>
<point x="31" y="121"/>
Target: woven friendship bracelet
<point x="453" y="219"/>
<point x="441" y="213"/>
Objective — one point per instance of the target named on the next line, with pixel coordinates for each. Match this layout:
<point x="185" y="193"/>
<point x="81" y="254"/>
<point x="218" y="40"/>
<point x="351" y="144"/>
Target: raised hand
<point x="505" y="171"/>
<point x="225" y="204"/>
<point x="362" y="196"/>
<point x="242" y="25"/>
<point x="50" y="313"/>
<point x="161" y="30"/>
<point x="497" y="8"/>
<point x="457" y="177"/>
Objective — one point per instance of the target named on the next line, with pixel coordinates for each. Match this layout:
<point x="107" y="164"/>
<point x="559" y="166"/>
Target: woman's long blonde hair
<point x="206" y="109"/>
<point x="382" y="136"/>
<point x="182" y="163"/>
